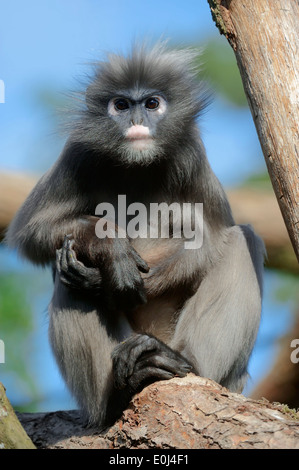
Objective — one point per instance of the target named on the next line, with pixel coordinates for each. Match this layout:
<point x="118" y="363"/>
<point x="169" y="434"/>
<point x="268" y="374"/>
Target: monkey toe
<point x="125" y="355"/>
<point x="145" y="359"/>
<point x="173" y="365"/>
<point x="146" y="376"/>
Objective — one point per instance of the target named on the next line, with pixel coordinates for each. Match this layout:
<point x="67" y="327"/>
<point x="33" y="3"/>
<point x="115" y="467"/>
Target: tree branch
<point x="188" y="413"/>
<point x="12" y="434"/>
<point x="264" y="37"/>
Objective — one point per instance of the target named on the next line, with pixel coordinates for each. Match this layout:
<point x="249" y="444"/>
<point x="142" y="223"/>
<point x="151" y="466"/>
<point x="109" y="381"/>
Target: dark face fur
<point x="142" y="108"/>
<point x="137" y="113"/>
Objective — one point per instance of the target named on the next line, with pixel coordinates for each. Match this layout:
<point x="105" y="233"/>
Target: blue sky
<point x="46" y="45"/>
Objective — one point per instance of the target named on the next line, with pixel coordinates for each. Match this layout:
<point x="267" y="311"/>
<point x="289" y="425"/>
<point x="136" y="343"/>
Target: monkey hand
<point x="143" y="359"/>
<point x="74" y="273"/>
<point x="117" y="277"/>
<point x="121" y="267"/>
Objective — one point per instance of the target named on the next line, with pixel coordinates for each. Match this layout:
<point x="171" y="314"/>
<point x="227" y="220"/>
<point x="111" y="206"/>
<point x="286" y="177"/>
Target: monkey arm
<point x="47" y="215"/>
<point x="56" y="208"/>
<point x="37" y="237"/>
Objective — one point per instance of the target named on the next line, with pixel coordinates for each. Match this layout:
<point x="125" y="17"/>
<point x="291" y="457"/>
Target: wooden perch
<point x="188" y="413"/>
<point x="264" y="37"/>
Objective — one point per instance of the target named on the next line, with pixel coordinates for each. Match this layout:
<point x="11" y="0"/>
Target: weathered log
<point x="188" y="413"/>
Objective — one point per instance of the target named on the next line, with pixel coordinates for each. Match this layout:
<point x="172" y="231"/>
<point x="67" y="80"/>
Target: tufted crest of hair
<point x="170" y="72"/>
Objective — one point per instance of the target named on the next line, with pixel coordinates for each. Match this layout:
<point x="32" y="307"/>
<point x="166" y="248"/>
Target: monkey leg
<point x="143" y="359"/>
<point x="217" y="328"/>
<point x="83" y="338"/>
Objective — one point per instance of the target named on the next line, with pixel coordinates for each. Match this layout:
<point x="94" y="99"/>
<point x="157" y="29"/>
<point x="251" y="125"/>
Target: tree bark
<point x="264" y="37"/>
<point x="12" y="434"/>
<point x="188" y="413"/>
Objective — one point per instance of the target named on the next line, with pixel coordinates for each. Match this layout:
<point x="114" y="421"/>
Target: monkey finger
<point x="68" y="256"/>
<point x="148" y="375"/>
<point x="73" y="273"/>
<point x="82" y="281"/>
<point x="71" y="257"/>
<point x="58" y="260"/>
<point x="61" y="260"/>
<point x="63" y="264"/>
<point x="121" y="357"/>
<point x="66" y="281"/>
<point x="141" y="264"/>
<point x="174" y="365"/>
<point x="125" y="355"/>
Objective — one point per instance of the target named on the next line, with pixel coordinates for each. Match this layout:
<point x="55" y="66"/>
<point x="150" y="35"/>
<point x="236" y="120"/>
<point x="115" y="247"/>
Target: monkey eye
<point x="121" y="104"/>
<point x="152" y="103"/>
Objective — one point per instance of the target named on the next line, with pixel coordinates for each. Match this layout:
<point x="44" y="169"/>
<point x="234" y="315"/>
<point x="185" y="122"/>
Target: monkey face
<point x="137" y="115"/>
<point x="141" y="109"/>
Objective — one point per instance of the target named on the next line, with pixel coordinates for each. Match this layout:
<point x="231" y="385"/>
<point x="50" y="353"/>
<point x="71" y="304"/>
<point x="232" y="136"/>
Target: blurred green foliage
<point x="258" y="181"/>
<point x="288" y="289"/>
<point x="221" y="71"/>
<point x="16" y="330"/>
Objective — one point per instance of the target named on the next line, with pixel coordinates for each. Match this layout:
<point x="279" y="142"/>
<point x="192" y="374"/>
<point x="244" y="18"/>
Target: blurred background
<point x="45" y="51"/>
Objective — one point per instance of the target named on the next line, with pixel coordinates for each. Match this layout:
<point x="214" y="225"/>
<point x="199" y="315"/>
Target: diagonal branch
<point x="264" y="37"/>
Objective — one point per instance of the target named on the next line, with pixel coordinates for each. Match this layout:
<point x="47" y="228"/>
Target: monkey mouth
<point x="139" y="137"/>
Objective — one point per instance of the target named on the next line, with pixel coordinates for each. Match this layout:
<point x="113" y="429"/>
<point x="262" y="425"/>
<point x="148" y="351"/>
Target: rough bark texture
<point x="264" y="36"/>
<point x="12" y="434"/>
<point x="189" y="413"/>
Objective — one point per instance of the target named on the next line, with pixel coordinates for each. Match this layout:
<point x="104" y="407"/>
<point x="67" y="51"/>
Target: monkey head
<point x="142" y="108"/>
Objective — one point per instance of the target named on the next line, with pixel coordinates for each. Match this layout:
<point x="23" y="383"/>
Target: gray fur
<point x="204" y="303"/>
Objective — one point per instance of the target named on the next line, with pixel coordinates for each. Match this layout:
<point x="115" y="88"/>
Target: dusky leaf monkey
<point x="127" y="311"/>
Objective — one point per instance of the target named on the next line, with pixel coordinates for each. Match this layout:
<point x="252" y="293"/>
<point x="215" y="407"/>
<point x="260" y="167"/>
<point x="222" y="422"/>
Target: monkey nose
<point x="137" y="132"/>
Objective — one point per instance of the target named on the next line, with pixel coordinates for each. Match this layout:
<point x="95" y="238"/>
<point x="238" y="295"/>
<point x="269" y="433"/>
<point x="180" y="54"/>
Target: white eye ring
<point x="160" y="108"/>
<point x="113" y="110"/>
<point x="152" y="103"/>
